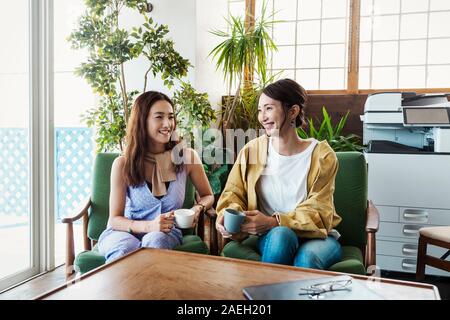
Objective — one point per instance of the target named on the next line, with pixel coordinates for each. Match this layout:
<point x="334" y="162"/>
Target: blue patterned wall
<point x="74" y="152"/>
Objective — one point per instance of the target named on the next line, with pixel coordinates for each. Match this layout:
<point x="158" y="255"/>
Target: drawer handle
<point x="409" y="251"/>
<point x="410" y="232"/>
<point x="408" y="266"/>
<point x="415" y="215"/>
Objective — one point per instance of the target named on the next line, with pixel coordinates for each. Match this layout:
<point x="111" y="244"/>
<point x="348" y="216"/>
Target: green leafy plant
<point x="324" y="130"/>
<point x="242" y="54"/>
<point x="215" y="164"/>
<point x="193" y="110"/>
<point x="109" y="47"/>
<point x="217" y="176"/>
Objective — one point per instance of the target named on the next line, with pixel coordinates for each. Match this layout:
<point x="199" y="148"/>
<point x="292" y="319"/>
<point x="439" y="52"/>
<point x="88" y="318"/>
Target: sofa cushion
<point x="247" y="249"/>
<point x="88" y="260"/>
<point x="193" y="243"/>
<point x="352" y="261"/>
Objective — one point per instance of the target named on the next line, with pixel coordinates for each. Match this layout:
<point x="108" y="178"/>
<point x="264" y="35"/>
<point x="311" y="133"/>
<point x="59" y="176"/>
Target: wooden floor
<point x="36" y="286"/>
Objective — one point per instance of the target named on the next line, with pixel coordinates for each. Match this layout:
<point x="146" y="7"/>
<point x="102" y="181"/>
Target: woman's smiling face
<point x="270" y="114"/>
<point x="160" y="122"/>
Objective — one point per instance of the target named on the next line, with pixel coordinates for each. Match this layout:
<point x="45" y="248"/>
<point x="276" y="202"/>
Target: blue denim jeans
<point x="281" y="245"/>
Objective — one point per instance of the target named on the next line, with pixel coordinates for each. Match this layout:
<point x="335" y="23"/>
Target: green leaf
<point x="331" y="133"/>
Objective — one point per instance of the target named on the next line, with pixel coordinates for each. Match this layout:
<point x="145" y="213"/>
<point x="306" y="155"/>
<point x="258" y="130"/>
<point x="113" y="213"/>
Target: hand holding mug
<point x="239" y="236"/>
<point x="221" y="228"/>
<point x="257" y="222"/>
<point x="164" y="222"/>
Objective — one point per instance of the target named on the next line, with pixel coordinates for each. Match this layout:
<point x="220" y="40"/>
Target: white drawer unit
<point x="405" y="249"/>
<point x="388" y="213"/>
<point x="397" y="245"/>
<point x="410" y="191"/>
<point x="425" y="216"/>
<point x="401" y="230"/>
<point x="405" y="265"/>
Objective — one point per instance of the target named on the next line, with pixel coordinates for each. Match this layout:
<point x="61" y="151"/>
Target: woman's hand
<point x="239" y="236"/>
<point x="257" y="222"/>
<point x="221" y="228"/>
<point x="198" y="211"/>
<point x="164" y="223"/>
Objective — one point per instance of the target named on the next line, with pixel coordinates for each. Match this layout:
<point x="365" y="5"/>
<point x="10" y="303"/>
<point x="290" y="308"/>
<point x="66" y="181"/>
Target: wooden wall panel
<point x="337" y="106"/>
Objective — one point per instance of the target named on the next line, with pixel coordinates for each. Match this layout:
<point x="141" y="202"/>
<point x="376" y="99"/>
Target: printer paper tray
<point x="385" y="146"/>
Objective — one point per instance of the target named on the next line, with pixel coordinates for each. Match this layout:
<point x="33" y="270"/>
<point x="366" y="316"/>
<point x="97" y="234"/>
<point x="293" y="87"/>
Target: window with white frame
<point x="403" y="44"/>
<point x="312" y="40"/>
<point x="74" y="147"/>
<point x="16" y="207"/>
<point x="236" y="8"/>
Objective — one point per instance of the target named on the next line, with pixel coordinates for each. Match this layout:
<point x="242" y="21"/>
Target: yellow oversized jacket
<point x="312" y="218"/>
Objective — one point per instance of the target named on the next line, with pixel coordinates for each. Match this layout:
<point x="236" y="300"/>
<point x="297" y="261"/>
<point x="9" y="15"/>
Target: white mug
<point x="184" y="218"/>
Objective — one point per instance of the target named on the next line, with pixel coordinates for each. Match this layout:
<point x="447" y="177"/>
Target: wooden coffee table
<point x="167" y="274"/>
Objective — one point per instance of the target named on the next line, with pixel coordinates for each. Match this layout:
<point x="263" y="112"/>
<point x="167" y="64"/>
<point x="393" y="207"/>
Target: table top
<point x="167" y="274"/>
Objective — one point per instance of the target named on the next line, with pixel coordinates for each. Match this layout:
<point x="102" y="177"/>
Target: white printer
<point x="408" y="156"/>
<point x="407" y="122"/>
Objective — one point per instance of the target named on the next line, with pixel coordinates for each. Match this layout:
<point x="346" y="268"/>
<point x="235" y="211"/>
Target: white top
<point x="282" y="184"/>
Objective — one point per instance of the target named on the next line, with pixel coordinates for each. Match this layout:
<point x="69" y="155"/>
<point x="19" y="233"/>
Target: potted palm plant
<point x="243" y="53"/>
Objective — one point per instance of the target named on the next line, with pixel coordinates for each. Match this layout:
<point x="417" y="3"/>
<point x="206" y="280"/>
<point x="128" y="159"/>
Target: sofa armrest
<point x="372" y="225"/>
<point x="79" y="215"/>
<point x="221" y="242"/>
<point x="211" y="213"/>
<point x="210" y="231"/>
<point x="70" y="246"/>
<point x="373" y="218"/>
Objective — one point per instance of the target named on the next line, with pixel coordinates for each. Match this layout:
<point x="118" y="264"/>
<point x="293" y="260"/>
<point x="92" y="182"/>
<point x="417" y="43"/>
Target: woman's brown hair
<point x="137" y="141"/>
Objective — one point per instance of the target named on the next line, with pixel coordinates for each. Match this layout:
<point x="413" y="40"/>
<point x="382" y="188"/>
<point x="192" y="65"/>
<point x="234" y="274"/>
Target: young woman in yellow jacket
<point x="285" y="185"/>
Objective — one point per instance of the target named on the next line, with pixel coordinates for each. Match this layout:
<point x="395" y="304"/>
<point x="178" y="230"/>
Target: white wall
<point x="210" y="16"/>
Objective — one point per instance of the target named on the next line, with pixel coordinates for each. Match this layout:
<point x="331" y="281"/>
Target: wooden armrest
<point x="210" y="232"/>
<point x="211" y="213"/>
<point x="373" y="218"/>
<point x="79" y="215"/>
<point x="372" y="225"/>
<point x="70" y="244"/>
<point x="221" y="241"/>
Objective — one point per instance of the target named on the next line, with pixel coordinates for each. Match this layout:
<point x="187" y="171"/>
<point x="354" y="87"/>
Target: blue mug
<point x="233" y="220"/>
